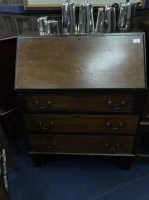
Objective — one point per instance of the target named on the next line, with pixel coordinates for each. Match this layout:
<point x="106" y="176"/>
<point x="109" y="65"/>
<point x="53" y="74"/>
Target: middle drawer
<point x="81" y="123"/>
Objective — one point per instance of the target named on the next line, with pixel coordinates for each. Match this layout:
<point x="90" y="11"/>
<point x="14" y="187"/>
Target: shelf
<point x="10" y="9"/>
<point x="20" y="10"/>
<point x="143" y="155"/>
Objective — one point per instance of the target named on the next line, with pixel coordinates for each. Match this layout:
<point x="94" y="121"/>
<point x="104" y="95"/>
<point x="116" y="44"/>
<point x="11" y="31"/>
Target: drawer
<point x="81" y="123"/>
<point x="79" y="103"/>
<point x="81" y="144"/>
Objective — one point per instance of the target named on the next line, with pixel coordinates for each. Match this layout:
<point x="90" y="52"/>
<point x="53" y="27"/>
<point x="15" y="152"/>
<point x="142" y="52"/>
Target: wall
<point x="15" y="19"/>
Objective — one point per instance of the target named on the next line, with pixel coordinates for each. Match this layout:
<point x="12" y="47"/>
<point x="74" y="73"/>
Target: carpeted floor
<point x="77" y="178"/>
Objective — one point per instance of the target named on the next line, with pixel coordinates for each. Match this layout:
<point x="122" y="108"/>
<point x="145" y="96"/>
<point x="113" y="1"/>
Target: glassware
<point x="52" y="27"/>
<point x="42" y="25"/>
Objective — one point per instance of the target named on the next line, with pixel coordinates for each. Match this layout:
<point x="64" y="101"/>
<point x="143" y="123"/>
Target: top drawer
<point x="79" y="103"/>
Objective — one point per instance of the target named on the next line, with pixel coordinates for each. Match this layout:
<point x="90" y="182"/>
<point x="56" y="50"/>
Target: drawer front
<point x="81" y="123"/>
<point x="81" y="144"/>
<point x="80" y="103"/>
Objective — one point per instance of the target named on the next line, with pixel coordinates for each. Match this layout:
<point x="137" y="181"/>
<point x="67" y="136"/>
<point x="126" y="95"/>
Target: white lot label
<point x="136" y="41"/>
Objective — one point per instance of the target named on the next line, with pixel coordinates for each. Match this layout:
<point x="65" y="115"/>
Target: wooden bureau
<point x="81" y="94"/>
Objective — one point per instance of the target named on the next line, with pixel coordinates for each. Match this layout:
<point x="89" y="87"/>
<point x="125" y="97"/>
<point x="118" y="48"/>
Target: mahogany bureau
<point x="81" y="94"/>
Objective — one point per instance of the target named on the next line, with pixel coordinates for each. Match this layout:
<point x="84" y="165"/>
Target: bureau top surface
<point x="72" y="62"/>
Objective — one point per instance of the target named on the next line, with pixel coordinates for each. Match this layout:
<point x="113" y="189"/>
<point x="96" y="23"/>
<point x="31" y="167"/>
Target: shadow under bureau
<point x="81" y="95"/>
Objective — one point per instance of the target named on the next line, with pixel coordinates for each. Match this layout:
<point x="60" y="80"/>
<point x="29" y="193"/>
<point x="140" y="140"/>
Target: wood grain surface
<point x="72" y="62"/>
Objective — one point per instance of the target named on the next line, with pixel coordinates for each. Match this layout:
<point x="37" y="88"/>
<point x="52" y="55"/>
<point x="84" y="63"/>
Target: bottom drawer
<point x="65" y="144"/>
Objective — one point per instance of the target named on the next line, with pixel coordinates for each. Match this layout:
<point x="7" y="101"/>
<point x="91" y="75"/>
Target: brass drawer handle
<point x="112" y="147"/>
<point x="44" y="128"/>
<point x="116" y="107"/>
<point x="115" y="128"/>
<point x="42" y="107"/>
<point x="49" y="146"/>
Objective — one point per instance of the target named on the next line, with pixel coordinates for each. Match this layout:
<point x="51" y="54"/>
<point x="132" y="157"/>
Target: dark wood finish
<point x="8" y="105"/>
<point x="106" y="61"/>
<point x="7" y="70"/>
<point x="145" y="27"/>
<point x="81" y="94"/>
<point x="143" y="145"/>
<point x="94" y="102"/>
<point x="81" y="123"/>
<point x="4" y="35"/>
<point x="3" y="193"/>
<point x="146" y="109"/>
<point x="82" y="144"/>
